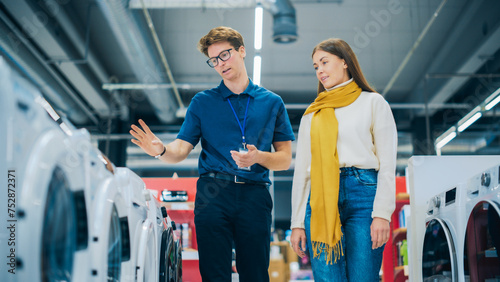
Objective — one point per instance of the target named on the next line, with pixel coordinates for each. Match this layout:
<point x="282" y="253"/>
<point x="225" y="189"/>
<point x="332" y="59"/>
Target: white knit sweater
<point x="367" y="139"/>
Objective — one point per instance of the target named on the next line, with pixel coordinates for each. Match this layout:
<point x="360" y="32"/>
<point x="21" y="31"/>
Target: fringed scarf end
<point x="332" y="253"/>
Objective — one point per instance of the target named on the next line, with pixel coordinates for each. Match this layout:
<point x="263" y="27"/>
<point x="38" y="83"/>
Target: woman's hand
<point x="145" y="139"/>
<point x="380" y="231"/>
<point x="298" y="241"/>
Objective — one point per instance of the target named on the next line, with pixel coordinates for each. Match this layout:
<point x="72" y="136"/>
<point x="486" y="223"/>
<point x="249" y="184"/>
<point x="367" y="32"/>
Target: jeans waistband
<point x="353" y="170"/>
<point x="232" y="178"/>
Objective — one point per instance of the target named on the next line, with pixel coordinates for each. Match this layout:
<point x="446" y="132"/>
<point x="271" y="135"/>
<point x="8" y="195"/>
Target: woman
<point x="343" y="191"/>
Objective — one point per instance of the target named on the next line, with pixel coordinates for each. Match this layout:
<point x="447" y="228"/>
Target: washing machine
<point x="442" y="254"/>
<point x="109" y="234"/>
<point x="140" y="266"/>
<point x="153" y="253"/>
<point x="164" y="237"/>
<point x="482" y="235"/>
<point x="48" y="215"/>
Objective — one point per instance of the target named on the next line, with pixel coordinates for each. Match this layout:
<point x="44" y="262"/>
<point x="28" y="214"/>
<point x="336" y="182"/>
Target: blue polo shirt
<point x="209" y="118"/>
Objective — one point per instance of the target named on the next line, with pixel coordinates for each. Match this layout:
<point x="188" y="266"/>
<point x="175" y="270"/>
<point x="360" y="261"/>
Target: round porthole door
<point x="59" y="230"/>
<point x="482" y="243"/>
<point x="439" y="261"/>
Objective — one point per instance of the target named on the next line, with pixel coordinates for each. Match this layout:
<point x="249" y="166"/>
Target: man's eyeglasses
<point x="223" y="56"/>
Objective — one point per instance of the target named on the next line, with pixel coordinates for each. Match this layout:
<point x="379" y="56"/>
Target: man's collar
<point x="250" y="90"/>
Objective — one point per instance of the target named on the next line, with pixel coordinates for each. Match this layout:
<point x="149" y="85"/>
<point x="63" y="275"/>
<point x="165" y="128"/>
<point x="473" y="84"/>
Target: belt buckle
<point x="236" y="180"/>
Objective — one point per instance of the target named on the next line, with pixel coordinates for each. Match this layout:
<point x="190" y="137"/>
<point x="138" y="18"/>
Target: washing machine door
<point x="114" y="247"/>
<point x="482" y="242"/>
<point x="167" y="257"/>
<point x="439" y="262"/>
<point x="59" y="230"/>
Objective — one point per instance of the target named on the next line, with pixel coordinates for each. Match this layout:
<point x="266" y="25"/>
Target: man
<point x="237" y="123"/>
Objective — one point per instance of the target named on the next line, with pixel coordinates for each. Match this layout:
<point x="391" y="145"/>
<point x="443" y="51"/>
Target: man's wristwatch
<point x="162" y="153"/>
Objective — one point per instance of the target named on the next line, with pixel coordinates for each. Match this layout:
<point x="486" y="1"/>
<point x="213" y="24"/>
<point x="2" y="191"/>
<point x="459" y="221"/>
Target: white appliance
<point x="427" y="176"/>
<point x="168" y="251"/>
<point x="49" y="214"/>
<point x="442" y="250"/>
<point x="109" y="241"/>
<point x="152" y="246"/>
<point x="482" y="243"/>
<point x="141" y="229"/>
<point x="164" y="237"/>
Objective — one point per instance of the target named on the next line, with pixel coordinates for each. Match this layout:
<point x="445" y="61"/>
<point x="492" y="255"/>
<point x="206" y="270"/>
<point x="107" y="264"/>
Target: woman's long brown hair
<point x="341" y="49"/>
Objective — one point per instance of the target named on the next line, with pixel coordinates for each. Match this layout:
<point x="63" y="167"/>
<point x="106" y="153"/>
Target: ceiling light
<point x="495" y="101"/>
<point x="469" y="121"/>
<point x="257" y="61"/>
<point x="446" y="139"/>
<point x="258" y="27"/>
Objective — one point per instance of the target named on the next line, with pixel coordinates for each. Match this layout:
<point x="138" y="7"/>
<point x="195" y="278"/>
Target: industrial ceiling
<point x="104" y="64"/>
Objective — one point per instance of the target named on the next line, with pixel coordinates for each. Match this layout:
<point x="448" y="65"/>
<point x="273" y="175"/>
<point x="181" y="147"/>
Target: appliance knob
<point x="437" y="201"/>
<point x="485" y="179"/>
<point x="164" y="212"/>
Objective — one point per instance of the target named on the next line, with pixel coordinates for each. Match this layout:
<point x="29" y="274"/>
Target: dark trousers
<point x="227" y="212"/>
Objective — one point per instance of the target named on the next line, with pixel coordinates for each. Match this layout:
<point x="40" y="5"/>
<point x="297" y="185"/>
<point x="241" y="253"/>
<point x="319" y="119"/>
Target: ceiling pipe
<point x="181" y="112"/>
<point x="43" y="31"/>
<point x="284" y="20"/>
<point x="118" y="107"/>
<point x="412" y="50"/>
<point x="132" y="36"/>
<point x="283" y="12"/>
<point x="28" y="59"/>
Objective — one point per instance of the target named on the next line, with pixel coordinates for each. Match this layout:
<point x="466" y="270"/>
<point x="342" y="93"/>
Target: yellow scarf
<point x="326" y="234"/>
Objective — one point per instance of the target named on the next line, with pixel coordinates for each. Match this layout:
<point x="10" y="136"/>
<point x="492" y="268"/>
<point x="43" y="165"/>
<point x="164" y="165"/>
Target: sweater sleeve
<point x="301" y="177"/>
<point x="385" y="141"/>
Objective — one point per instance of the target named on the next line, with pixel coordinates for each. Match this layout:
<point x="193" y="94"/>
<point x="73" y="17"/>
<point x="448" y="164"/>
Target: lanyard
<point x="242" y="128"/>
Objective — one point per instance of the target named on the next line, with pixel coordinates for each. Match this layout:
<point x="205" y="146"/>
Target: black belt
<point x="232" y="178"/>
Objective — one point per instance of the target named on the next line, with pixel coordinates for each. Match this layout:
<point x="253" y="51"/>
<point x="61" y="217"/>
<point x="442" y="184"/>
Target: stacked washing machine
<point x="78" y="218"/>
<point x="462" y="234"/>
<point x="482" y="235"/>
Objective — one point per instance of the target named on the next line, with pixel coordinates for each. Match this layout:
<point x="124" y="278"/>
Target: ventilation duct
<point x="284" y="23"/>
<point x="283" y="12"/>
<point x="133" y="36"/>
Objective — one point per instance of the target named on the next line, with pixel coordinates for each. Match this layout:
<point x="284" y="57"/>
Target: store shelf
<point x="391" y="271"/>
<point x="399" y="234"/>
<point x="178" y="205"/>
<point x="401" y="273"/>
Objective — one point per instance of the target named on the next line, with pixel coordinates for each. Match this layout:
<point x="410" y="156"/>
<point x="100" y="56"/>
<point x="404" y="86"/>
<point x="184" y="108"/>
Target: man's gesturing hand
<point x="145" y="139"/>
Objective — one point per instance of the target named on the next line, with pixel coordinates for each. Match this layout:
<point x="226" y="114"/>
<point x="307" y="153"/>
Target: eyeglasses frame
<point x="219" y="58"/>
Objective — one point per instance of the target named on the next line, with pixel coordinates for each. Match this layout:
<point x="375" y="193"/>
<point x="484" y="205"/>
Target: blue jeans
<point x="360" y="263"/>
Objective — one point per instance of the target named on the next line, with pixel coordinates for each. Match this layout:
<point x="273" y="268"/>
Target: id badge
<point x="243" y="150"/>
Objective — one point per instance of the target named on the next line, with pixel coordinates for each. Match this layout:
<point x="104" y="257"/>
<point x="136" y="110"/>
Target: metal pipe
<point x="397" y="106"/>
<point x="162" y="54"/>
<point x="412" y="50"/>
<point x="471" y="75"/>
<point x="137" y="86"/>
<point x="47" y="68"/>
<point x="139" y="52"/>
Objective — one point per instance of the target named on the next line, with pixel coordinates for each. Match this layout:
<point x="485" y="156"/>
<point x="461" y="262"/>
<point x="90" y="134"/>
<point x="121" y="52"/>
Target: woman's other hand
<point x="298" y="241"/>
<point x="380" y="231"/>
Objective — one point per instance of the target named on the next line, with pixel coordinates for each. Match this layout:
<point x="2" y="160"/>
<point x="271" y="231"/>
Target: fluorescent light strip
<point x="446" y="140"/>
<point x="495" y="101"/>
<point x="257" y="62"/>
<point x="470" y="121"/>
<point x="258" y="27"/>
<point x="491" y="102"/>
